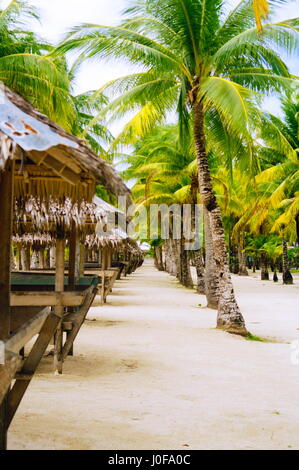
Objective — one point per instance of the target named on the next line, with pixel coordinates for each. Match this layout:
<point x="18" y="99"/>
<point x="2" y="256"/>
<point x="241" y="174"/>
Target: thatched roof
<point x="36" y="214"/>
<point x="114" y="238"/>
<point x="49" y="161"/>
<point x="34" y="239"/>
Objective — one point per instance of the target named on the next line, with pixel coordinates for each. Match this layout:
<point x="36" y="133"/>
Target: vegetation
<point x="207" y="70"/>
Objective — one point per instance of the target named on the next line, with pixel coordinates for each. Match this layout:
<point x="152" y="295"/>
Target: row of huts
<point x="57" y="249"/>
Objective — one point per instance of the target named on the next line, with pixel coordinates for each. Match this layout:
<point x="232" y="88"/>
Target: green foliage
<point x="26" y="68"/>
<point x="188" y="51"/>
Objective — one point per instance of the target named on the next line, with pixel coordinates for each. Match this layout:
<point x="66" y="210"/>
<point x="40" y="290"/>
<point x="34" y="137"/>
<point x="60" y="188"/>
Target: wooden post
<point x="104" y="266"/>
<point x="19" y="259"/>
<point x="6" y="214"/>
<point x="73" y="267"/>
<point x="72" y="256"/>
<point x="25" y="258"/>
<point x="82" y="260"/>
<point x="59" y="287"/>
<point x="109" y="257"/>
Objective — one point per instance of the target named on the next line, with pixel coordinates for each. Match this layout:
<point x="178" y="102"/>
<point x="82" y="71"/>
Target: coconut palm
<point x="195" y="59"/>
<point x="272" y="249"/>
<point x="26" y="68"/>
<point x="96" y="135"/>
<point x="165" y="174"/>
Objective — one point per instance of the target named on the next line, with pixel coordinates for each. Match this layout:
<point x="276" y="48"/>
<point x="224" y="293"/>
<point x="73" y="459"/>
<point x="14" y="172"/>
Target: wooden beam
<point x="6" y="216"/>
<point x="61" y="155"/>
<point x="60" y="169"/>
<point x="26" y="332"/>
<point x="77" y="320"/>
<point x="46" y="299"/>
<point x="7" y="373"/>
<point x="29" y="367"/>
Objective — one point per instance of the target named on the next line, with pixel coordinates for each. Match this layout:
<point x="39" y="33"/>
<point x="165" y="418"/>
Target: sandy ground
<point x="151" y="372"/>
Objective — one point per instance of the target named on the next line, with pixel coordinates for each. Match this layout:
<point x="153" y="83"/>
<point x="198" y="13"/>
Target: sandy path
<point x="151" y="372"/>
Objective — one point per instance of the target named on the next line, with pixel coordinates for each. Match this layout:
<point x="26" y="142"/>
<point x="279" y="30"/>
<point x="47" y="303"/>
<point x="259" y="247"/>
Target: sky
<point x="58" y="16"/>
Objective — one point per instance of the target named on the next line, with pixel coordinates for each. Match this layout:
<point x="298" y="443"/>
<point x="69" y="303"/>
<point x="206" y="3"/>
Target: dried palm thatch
<point x="39" y="214"/>
<point x="49" y="161"/>
<point x="39" y="239"/>
<point x="115" y="239"/>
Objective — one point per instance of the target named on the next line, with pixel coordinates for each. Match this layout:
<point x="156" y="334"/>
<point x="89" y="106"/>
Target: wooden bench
<point x="35" y="290"/>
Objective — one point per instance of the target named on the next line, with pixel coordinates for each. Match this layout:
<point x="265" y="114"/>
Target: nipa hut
<point x="40" y="161"/>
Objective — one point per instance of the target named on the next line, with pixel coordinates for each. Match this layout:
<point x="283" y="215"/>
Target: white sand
<point x="152" y="372"/>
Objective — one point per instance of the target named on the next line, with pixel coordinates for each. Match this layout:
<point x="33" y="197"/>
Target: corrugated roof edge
<point x="102" y="171"/>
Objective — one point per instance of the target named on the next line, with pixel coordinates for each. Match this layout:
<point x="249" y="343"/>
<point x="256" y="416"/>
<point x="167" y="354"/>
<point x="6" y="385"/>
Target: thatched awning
<point x="47" y="215"/>
<point x="49" y="161"/>
<point x="114" y="238"/>
<point x="37" y="239"/>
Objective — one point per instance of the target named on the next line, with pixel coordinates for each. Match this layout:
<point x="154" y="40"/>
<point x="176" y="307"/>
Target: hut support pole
<point x="73" y="268"/>
<point x="104" y="266"/>
<point x="82" y="260"/>
<point x="72" y="256"/>
<point x="6" y="211"/>
<point x="59" y="287"/>
<point x="109" y="257"/>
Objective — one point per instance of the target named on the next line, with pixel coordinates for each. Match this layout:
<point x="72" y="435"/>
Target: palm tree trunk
<point x="211" y="274"/>
<point x="158" y="258"/>
<point x="200" y="271"/>
<point x="186" y="278"/>
<point x="229" y="315"/>
<point x="287" y="277"/>
<point x="167" y="252"/>
<point x="242" y="257"/>
<point x="175" y="257"/>
<point x="264" y="268"/>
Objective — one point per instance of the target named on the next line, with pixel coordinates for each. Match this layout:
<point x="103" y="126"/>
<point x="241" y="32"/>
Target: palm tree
<point x="165" y="174"/>
<point x="97" y="135"/>
<point x="272" y="249"/>
<point x="26" y="68"/>
<point x="199" y="61"/>
<point x="279" y="182"/>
